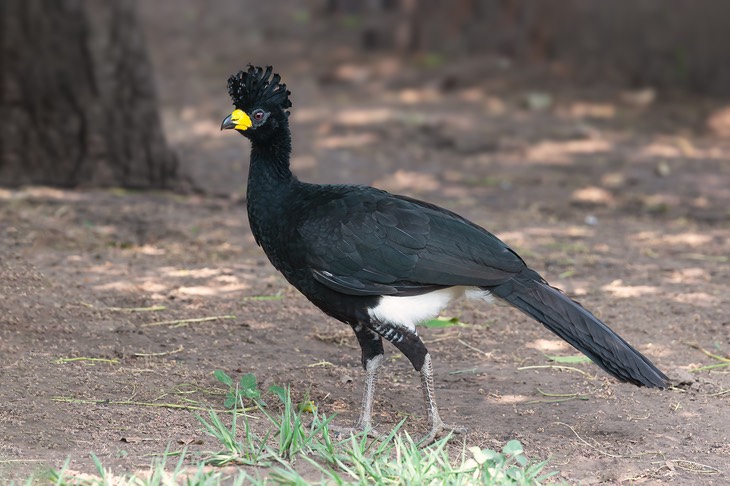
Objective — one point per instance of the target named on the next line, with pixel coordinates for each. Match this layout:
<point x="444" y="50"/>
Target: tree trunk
<point x="77" y="97"/>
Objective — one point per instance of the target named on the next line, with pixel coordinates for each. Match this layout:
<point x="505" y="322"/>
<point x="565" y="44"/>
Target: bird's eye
<point x="258" y="115"/>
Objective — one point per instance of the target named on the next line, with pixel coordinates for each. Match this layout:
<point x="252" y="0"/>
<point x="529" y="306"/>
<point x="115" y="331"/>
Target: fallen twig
<point x="553" y="367"/>
<point x="84" y="358"/>
<point x="558" y="397"/>
<point x="165" y="353"/>
<point x="185" y="322"/>
<point x="320" y="363"/>
<point x="692" y="466"/>
<point x="711" y="355"/>
<point x="176" y="406"/>
<point x="608" y="454"/>
<point x="154" y="308"/>
<point x="488" y="355"/>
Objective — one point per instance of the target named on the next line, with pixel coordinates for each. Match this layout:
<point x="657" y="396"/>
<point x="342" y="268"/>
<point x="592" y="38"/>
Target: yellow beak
<point x="237" y="120"/>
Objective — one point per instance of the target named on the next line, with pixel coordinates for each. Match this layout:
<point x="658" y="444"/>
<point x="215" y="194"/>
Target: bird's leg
<point x="410" y="344"/>
<point x="434" y="419"/>
<point x="372" y="358"/>
<point x="366" y="412"/>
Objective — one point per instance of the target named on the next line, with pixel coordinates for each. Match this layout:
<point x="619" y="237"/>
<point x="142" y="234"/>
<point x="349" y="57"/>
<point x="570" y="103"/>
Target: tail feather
<point x="529" y="293"/>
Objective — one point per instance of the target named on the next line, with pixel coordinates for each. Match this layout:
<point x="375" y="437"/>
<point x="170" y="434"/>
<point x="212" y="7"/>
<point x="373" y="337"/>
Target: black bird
<point x="383" y="263"/>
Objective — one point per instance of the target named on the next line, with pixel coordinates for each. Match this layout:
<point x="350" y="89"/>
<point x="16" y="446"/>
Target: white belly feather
<point x="408" y="311"/>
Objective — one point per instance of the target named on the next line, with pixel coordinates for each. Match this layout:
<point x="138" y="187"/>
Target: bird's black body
<point x="359" y="254"/>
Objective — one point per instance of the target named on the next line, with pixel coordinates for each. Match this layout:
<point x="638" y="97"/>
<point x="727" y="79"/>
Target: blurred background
<point x="411" y="94"/>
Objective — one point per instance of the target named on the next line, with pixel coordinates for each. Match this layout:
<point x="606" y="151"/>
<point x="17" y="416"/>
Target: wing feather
<point x="363" y="241"/>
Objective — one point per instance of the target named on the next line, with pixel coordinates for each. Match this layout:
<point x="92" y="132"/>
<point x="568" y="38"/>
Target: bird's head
<point x="261" y="102"/>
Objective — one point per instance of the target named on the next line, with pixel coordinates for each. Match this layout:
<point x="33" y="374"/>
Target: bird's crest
<point x="256" y="85"/>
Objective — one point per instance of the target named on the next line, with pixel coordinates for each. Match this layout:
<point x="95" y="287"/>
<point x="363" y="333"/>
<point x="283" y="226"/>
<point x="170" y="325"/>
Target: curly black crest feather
<point x="257" y="85"/>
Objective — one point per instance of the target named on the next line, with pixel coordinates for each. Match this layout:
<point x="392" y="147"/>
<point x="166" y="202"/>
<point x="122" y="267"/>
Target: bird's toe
<point x="441" y="429"/>
<point x="341" y="432"/>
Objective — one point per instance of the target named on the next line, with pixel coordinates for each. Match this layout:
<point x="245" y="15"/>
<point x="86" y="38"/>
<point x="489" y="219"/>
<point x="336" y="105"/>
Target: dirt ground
<point x="620" y="200"/>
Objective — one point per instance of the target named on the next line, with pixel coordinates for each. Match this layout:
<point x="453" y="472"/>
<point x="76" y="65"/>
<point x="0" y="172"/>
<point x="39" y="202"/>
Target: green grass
<point x="159" y="474"/>
<point x="298" y="448"/>
<point x="444" y="322"/>
<point x="721" y="361"/>
<point x="246" y="388"/>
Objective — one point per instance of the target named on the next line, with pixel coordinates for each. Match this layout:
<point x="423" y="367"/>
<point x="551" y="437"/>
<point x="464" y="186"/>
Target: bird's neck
<point x="270" y="162"/>
<point x="269" y="183"/>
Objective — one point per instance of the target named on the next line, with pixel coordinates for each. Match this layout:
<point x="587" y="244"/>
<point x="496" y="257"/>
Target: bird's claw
<point x="441" y="429"/>
<point x="342" y="432"/>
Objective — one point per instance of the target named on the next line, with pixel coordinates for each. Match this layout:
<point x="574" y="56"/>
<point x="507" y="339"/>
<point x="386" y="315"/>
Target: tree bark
<point x="77" y="97"/>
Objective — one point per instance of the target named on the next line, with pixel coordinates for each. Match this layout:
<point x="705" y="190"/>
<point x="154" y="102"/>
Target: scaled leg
<point x="411" y="345"/>
<point x="372" y="358"/>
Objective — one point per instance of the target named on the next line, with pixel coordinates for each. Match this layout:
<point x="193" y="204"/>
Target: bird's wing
<point x="364" y="241"/>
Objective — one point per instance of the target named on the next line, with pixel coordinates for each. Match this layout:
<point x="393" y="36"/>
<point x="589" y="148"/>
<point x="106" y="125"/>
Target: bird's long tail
<point x="529" y="292"/>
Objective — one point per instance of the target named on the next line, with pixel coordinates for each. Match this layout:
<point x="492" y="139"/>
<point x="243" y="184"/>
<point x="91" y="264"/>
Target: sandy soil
<point x="622" y="204"/>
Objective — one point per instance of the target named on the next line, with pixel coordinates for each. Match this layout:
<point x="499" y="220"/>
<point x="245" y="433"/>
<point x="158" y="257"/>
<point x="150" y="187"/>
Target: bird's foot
<point x="341" y="432"/>
<point x="440" y="429"/>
